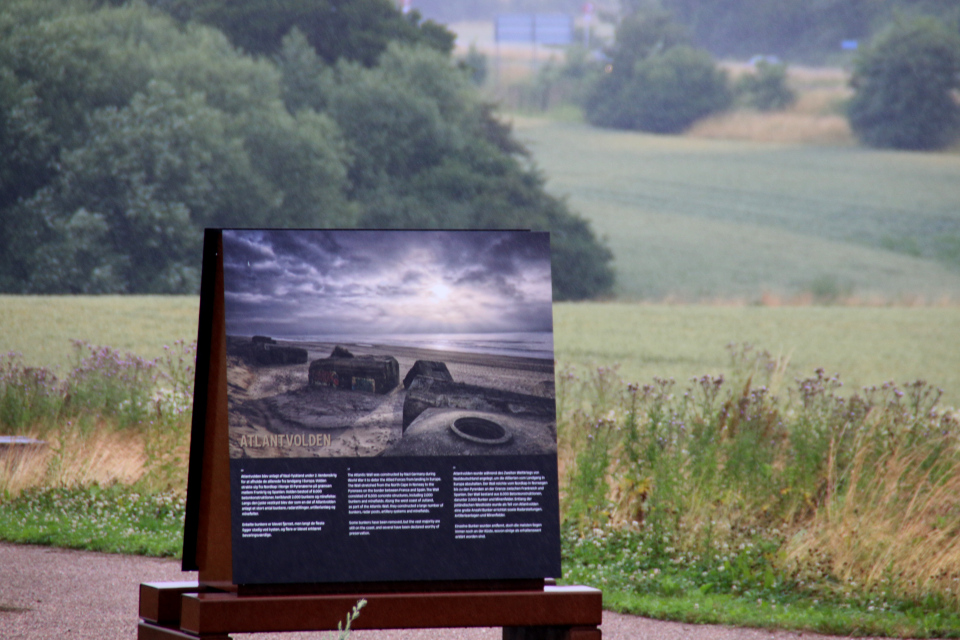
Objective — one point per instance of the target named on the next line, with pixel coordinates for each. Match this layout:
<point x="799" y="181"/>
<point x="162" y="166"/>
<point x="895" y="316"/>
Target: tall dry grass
<point x="114" y="419"/>
<point x="155" y="459"/>
<point x="784" y="127"/>
<point x="815" y="118"/>
<point x="72" y="458"/>
<point x="895" y="529"/>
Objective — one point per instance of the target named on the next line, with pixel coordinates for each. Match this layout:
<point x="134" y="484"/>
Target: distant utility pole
<point x="533" y="29"/>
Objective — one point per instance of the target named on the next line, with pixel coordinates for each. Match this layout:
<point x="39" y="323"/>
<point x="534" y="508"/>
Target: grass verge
<point x="692" y="589"/>
<point x="112" y="519"/>
<point x="754" y="501"/>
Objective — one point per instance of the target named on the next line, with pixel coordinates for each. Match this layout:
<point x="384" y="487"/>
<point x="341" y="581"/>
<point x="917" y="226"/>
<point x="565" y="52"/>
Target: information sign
<point x="553" y="28"/>
<point x="514" y="27"/>
<point x="390" y="411"/>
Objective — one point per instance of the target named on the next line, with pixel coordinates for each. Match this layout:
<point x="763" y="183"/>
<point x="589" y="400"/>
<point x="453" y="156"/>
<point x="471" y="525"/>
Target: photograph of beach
<point x="388" y="343"/>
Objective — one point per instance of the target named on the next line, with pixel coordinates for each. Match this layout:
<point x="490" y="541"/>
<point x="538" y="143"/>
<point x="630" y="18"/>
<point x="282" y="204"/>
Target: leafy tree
<point x="475" y="63"/>
<point x="641" y="35"/>
<point x="25" y="140"/>
<point x="905" y="87"/>
<point x="137" y="135"/>
<point x="356" y="30"/>
<point x="304" y="74"/>
<point x="123" y="134"/>
<point x="655" y="82"/>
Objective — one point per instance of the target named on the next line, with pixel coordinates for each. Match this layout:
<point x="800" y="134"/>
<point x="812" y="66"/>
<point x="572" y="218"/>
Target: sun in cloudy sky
<point x="295" y="283"/>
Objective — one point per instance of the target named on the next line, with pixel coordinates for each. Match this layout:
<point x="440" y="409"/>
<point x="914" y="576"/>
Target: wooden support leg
<point x="551" y="633"/>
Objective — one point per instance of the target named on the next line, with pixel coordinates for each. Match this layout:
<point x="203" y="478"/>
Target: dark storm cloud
<point x="497" y="252"/>
<point x="323" y="282"/>
<point x="485" y="277"/>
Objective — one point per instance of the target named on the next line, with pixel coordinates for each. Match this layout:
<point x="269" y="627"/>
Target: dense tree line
<point x="352" y="29"/>
<point x="906" y="80"/>
<point x="796" y="30"/>
<point x="126" y="129"/>
<point x="808" y="30"/>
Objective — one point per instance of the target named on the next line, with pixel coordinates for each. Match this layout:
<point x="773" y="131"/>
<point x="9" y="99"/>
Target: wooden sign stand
<point x="186" y="610"/>
<point x="214" y="606"/>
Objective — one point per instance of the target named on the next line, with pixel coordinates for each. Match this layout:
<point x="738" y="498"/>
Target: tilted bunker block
<point x="428" y="368"/>
<point x="373" y="374"/>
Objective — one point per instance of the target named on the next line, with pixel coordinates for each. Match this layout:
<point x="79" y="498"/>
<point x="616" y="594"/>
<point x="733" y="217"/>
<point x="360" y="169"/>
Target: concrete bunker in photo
<point x="264" y="351"/>
<point x="428" y="368"/>
<point x="343" y="370"/>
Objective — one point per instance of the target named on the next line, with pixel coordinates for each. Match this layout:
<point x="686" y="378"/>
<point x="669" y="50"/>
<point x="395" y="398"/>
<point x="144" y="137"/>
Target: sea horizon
<point x="525" y="344"/>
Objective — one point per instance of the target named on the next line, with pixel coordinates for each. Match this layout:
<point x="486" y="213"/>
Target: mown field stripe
<point x="871" y="223"/>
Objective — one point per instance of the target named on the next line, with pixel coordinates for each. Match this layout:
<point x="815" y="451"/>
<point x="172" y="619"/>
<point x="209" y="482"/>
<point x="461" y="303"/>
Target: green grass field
<point x="866" y="345"/>
<point x="41" y="327"/>
<point x="695" y="219"/>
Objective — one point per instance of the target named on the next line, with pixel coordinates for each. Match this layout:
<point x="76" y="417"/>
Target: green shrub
<point x="905" y="84"/>
<point x="656" y="82"/>
<point x="766" y="90"/>
<point x="665" y="94"/>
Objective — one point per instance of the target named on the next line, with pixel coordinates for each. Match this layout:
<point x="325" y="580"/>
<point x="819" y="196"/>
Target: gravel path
<point x="50" y="593"/>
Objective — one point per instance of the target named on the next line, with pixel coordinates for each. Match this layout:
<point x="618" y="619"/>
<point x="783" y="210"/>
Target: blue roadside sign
<point x="540" y="28"/>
